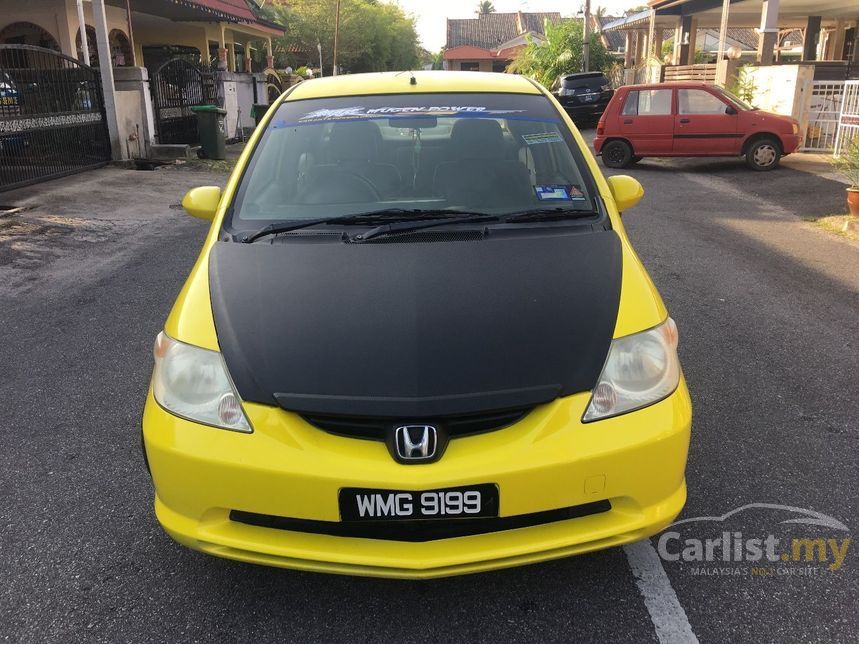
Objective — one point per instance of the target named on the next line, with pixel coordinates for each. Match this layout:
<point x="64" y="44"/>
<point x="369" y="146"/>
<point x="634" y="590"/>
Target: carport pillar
<point x="810" y="37"/>
<point x="628" y="49"/>
<point x="657" y="45"/>
<point x="650" y="51"/>
<point x="687" y="49"/>
<point x="836" y="42"/>
<point x="642" y="45"/>
<point x="768" y="32"/>
<point x="82" y="25"/>
<point x="222" y="48"/>
<point x="106" y="71"/>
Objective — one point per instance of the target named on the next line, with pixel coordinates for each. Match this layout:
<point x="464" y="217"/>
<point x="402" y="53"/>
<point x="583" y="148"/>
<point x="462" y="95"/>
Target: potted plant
<point x="846" y="164"/>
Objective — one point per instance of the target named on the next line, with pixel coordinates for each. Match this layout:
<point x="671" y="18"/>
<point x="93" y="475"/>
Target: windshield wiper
<point x="387" y="215"/>
<point x="441" y="218"/>
<point x="548" y="215"/>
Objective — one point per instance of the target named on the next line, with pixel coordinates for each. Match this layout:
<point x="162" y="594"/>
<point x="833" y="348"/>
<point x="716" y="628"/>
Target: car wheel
<point x="616" y="154"/>
<point x="763" y="154"/>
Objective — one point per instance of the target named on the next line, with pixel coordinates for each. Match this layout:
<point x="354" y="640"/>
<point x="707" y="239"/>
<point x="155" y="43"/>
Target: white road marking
<point x="667" y="615"/>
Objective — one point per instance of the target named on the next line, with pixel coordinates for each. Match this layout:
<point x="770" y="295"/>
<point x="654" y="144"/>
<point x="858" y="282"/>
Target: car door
<point x="646" y="121"/>
<point x="705" y="124"/>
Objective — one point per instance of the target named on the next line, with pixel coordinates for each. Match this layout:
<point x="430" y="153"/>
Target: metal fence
<point x="849" y="116"/>
<point x="824" y="110"/>
<point x="52" y="120"/>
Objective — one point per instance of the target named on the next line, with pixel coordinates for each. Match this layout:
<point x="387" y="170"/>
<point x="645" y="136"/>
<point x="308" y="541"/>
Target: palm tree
<point x="485" y="7"/>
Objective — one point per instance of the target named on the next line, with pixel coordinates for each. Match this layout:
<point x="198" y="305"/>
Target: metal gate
<point x="177" y="86"/>
<point x="849" y="116"/>
<point x="52" y="120"/>
<point x="274" y="85"/>
<point x="824" y="109"/>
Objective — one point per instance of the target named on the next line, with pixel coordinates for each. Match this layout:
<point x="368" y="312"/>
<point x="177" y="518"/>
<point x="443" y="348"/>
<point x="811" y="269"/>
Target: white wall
<point x="784" y="89"/>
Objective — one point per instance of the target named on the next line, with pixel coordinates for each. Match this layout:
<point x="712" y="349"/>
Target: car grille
<point x="377" y="427"/>
<point x="419" y="530"/>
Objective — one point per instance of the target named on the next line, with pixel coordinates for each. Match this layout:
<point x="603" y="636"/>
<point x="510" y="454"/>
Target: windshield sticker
<point x="359" y="112"/>
<point x="575" y="192"/>
<point x="542" y="137"/>
<point x="558" y="192"/>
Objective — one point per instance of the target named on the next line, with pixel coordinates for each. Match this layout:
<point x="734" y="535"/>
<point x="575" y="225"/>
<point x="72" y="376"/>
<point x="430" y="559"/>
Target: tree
<point x="560" y="54"/>
<point x="373" y="36"/>
<point x="485" y="7"/>
<point x="439" y="59"/>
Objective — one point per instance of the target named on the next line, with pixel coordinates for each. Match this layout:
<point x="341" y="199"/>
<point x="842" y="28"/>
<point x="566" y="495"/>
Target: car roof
<point x="578" y="75"/>
<point x="400" y="83"/>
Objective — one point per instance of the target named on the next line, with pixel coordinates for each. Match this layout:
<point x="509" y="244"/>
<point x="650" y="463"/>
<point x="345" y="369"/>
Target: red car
<point x="690" y="120"/>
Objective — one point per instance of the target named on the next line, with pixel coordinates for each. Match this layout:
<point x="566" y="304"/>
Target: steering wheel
<point x="335" y="186"/>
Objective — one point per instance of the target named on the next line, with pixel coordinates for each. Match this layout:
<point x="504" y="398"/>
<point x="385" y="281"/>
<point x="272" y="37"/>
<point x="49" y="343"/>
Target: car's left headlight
<point x="193" y="383"/>
<point x="641" y="369"/>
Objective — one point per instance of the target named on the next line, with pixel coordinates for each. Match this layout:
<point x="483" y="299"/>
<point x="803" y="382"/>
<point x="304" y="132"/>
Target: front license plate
<point x="480" y="500"/>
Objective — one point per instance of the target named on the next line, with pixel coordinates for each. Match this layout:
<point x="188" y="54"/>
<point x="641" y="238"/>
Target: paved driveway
<point x="767" y="308"/>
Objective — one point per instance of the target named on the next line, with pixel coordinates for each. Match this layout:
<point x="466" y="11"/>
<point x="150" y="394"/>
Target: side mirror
<point x="626" y="191"/>
<point x="202" y="202"/>
<point x="731" y="110"/>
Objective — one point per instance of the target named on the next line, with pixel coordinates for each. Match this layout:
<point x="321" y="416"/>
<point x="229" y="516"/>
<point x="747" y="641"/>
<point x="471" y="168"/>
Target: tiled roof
<point x="795" y="37"/>
<point x="231" y="10"/>
<point x="640" y="17"/>
<point x="744" y="36"/>
<point x="490" y="30"/>
<point x="614" y="39"/>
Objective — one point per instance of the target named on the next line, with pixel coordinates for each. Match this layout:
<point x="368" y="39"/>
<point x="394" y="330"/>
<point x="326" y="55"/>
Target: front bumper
<point x="790" y="143"/>
<point x="288" y="468"/>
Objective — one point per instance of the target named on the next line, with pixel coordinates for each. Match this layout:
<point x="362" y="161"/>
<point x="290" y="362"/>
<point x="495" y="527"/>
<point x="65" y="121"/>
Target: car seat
<point x="480" y="176"/>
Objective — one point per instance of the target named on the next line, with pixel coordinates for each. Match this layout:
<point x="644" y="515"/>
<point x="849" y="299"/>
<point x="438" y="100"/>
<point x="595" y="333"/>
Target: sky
<point x="431" y="14"/>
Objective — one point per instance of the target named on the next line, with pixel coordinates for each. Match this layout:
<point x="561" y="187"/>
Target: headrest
<point x="477" y="138"/>
<point x="354" y="140"/>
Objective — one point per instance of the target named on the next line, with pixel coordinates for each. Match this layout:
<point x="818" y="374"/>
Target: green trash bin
<point x="258" y="111"/>
<point x="212" y="131"/>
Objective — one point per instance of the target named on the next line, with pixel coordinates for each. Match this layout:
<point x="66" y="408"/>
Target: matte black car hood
<point x="416" y="330"/>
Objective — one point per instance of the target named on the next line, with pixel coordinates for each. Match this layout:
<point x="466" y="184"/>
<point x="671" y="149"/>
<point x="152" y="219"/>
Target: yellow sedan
<point x="417" y="342"/>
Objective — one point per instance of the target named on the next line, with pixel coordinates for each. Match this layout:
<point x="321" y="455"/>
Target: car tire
<point x="763" y="154"/>
<point x="616" y="154"/>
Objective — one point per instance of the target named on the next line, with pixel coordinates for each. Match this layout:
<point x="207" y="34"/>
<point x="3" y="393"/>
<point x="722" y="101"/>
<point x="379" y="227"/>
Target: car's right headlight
<point x="641" y="369"/>
<point x="193" y="383"/>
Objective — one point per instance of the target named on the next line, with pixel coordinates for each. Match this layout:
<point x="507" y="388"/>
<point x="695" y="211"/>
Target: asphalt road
<point x="767" y="309"/>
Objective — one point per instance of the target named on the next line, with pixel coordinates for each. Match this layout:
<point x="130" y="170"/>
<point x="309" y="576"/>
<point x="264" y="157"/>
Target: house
<point x="490" y="42"/>
<point x="140" y="65"/>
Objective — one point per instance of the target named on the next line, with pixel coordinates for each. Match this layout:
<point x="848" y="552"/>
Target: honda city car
<point x="691" y="120"/>
<point x="417" y="342"/>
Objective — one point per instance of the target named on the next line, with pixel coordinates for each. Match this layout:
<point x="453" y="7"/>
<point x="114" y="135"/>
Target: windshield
<point x="491" y="154"/>
<point x="737" y="101"/>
